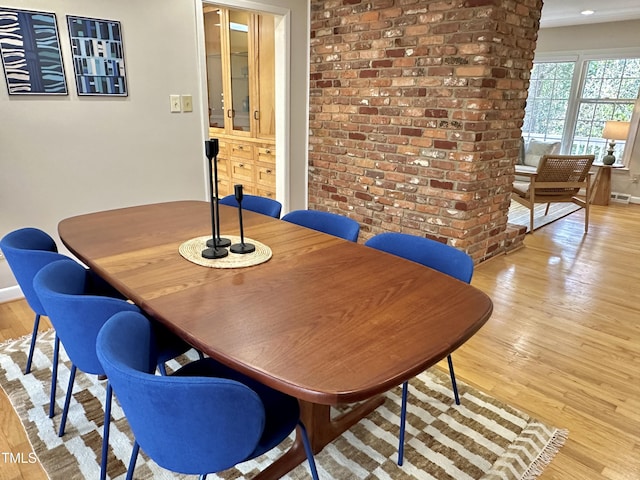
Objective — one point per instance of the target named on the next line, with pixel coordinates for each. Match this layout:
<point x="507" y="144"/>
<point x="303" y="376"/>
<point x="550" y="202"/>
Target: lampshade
<point x="615" y="130"/>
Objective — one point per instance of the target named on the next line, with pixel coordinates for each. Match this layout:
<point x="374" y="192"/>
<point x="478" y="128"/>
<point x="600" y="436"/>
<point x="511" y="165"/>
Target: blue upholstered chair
<point x="435" y="255"/>
<point x="255" y="203"/>
<point x="204" y="418"/>
<point x="27" y="250"/>
<point x="66" y="290"/>
<point x="327" y="222"/>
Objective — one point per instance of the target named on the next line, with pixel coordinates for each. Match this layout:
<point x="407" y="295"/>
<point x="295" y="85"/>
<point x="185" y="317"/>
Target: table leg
<point x="601" y="189"/>
<point x="321" y="429"/>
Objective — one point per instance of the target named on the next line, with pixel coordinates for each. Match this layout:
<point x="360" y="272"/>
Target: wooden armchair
<point x="558" y="178"/>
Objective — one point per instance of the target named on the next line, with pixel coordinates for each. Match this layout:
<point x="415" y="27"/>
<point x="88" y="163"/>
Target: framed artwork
<point x="98" y="56"/>
<point x="30" y="51"/>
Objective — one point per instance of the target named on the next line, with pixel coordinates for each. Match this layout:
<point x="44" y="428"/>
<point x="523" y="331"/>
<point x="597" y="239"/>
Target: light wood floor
<point x="563" y="343"/>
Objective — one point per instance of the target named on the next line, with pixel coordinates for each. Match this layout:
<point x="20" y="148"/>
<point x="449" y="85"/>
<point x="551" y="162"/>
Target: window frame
<point x="581" y="59"/>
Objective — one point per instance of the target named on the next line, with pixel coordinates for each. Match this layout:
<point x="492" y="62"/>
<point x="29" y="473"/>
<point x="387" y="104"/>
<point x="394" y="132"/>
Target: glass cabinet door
<point x="213" y="48"/>
<point x="239" y="63"/>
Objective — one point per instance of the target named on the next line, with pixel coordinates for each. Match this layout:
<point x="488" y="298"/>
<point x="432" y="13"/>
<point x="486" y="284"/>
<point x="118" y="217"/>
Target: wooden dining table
<point x="325" y="320"/>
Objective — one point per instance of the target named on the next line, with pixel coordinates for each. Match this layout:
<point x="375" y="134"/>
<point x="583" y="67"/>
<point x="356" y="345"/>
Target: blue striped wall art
<point x="30" y="52"/>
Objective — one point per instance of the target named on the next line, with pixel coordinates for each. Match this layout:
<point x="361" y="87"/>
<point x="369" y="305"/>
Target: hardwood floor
<point x="563" y="343"/>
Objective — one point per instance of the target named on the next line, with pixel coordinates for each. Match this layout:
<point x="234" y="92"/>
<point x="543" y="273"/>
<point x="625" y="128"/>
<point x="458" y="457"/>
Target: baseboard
<point x="10" y="293"/>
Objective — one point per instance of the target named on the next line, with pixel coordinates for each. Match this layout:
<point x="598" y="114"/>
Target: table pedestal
<point x="321" y="429"/>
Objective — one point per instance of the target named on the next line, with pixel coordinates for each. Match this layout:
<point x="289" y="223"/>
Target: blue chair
<point x="204" y="418"/>
<point x="27" y="250"/>
<point x="255" y="203"/>
<point x="435" y="255"/>
<point x="327" y="222"/>
<point x="66" y="290"/>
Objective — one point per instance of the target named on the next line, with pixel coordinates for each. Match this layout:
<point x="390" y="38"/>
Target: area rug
<point x="519" y="214"/>
<point x="480" y="439"/>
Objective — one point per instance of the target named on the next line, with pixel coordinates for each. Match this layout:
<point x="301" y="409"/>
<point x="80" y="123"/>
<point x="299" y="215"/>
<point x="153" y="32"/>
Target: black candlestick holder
<point x="215" y="244"/>
<point x="241" y="247"/>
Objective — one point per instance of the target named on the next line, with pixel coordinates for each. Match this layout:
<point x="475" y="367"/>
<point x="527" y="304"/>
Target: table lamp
<point x="614" y="131"/>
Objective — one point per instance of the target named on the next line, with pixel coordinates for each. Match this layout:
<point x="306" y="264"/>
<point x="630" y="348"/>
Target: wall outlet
<point x="176" y="104"/>
<point x="634" y="179"/>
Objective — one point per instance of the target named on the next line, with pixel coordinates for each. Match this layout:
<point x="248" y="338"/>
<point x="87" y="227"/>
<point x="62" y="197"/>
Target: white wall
<point x="63" y="156"/>
<point x="591" y="39"/>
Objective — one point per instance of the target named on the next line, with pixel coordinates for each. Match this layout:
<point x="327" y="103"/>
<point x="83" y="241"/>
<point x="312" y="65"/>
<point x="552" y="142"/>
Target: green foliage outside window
<point x="607" y="90"/>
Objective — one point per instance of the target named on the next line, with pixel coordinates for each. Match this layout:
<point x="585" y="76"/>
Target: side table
<point x="601" y="188"/>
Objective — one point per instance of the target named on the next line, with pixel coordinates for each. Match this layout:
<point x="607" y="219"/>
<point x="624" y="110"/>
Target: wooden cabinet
<point x="240" y="58"/>
<point x="266" y="171"/>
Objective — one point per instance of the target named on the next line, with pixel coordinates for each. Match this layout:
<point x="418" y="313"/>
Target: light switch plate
<point x="175" y="103"/>
<point x="187" y="103"/>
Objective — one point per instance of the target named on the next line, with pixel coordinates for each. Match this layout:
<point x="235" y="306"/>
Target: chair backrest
<point x="436" y="255"/>
<point x="190" y="425"/>
<point x="563" y="169"/>
<point x="27" y="250"/>
<point x="65" y="289"/>
<point x="255" y="203"/>
<point x="327" y="222"/>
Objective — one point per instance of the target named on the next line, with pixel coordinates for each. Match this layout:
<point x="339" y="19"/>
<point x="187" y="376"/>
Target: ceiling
<point x="561" y="13"/>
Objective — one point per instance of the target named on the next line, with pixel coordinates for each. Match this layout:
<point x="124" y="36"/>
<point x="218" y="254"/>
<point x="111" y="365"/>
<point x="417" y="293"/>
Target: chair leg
<point x="132" y="462"/>
<point x="403" y="421"/>
<point x="67" y="400"/>
<point x="531" y="215"/>
<point x="307" y="449"/>
<point x="454" y="385"/>
<point x="546" y="210"/>
<point x="54" y="377"/>
<point x="32" y="347"/>
<point x="105" y="432"/>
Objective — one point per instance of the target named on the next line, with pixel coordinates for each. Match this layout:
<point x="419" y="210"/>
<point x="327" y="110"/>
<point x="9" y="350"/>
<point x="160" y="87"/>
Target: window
<point x="571" y="99"/>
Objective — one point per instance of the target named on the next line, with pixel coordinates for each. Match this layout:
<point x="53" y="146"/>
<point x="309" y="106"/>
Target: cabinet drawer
<point x="224" y="188"/>
<point x="239" y="150"/>
<point x="266" y="192"/>
<point x="266" y="176"/>
<point x="222" y="165"/>
<point x="267" y="154"/>
<point x="223" y="147"/>
<point x="241" y="171"/>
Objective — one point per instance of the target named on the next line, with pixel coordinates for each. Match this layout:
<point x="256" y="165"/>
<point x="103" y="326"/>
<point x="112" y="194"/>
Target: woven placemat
<point x="192" y="251"/>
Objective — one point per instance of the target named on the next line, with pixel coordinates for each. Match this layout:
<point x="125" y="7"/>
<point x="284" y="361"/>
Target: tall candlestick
<point x="215" y="249"/>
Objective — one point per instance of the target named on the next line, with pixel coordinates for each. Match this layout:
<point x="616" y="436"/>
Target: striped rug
<point x="480" y="439"/>
<point x="519" y="214"/>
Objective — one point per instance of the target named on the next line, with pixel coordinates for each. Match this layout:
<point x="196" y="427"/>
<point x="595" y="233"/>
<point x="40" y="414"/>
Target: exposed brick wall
<point x="415" y="114"/>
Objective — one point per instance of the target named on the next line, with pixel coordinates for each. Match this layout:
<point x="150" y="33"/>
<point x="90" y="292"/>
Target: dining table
<point x="328" y="321"/>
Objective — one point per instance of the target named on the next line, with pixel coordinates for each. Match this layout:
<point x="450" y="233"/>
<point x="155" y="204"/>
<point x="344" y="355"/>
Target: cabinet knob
<point x="241" y="165"/>
<point x="267" y="151"/>
<point x="269" y="172"/>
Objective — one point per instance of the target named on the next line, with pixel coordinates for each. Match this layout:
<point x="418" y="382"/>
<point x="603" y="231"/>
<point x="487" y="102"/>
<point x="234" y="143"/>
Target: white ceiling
<point x="561" y="13"/>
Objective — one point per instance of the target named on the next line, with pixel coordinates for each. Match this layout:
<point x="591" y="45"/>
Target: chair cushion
<point x="536" y="149"/>
<point x="521" y="188"/>
<point x="522" y="152"/>
<point x="527" y="169"/>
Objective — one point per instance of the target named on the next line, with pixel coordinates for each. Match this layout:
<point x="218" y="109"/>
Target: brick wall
<point x="415" y="115"/>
